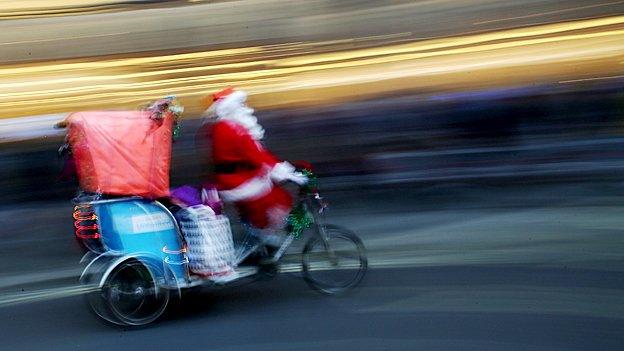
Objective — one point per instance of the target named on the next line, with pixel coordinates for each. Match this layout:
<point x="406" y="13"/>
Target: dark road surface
<point x="454" y="267"/>
<point x="452" y="308"/>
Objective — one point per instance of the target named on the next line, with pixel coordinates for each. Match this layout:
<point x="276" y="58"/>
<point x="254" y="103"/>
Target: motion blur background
<point x="476" y="146"/>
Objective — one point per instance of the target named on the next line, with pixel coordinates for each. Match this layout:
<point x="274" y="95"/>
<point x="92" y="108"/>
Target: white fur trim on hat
<point x="233" y="108"/>
<point x="225" y="106"/>
<point x="230" y="104"/>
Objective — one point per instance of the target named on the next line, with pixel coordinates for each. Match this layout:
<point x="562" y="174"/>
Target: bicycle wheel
<point x="131" y="296"/>
<point x="338" y="267"/>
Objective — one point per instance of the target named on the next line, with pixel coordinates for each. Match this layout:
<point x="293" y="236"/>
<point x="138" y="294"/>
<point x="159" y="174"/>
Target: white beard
<point x="244" y="117"/>
<point x="233" y="109"/>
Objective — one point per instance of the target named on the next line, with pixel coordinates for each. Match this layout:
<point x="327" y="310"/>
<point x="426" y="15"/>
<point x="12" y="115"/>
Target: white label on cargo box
<point x="151" y="223"/>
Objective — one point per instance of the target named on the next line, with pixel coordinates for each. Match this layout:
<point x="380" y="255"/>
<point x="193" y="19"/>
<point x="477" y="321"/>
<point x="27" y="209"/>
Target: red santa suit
<point x="247" y="174"/>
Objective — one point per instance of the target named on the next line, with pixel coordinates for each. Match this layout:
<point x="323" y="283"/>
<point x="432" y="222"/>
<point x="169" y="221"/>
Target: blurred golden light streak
<point x="546" y="13"/>
<point x="298" y="66"/>
<point x="466" y="40"/>
<point x="147" y="93"/>
<point x="11" y="9"/>
<point x="63" y="39"/>
<point x="137" y="61"/>
<point x="224" y="78"/>
<point x="134" y="75"/>
<point x="24" y="5"/>
<point x="590" y="79"/>
<point x="390" y="57"/>
<point x="428" y="45"/>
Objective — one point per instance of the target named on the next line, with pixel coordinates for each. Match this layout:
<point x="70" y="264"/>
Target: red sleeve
<point x="254" y="151"/>
<point x="232" y="143"/>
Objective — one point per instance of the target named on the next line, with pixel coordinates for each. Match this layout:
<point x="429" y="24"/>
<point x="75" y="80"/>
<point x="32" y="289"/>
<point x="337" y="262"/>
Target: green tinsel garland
<point x="176" y="130"/>
<point x="299" y="219"/>
<point x="176" y="109"/>
<point x="168" y="104"/>
<point x="312" y="181"/>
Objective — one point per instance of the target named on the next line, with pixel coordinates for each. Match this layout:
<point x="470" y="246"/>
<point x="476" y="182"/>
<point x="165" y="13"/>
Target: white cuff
<point x="252" y="189"/>
<point x="282" y="171"/>
<point x="299" y="178"/>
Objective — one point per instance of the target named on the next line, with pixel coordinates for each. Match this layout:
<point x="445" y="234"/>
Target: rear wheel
<point x="130" y="296"/>
<point x="336" y="266"/>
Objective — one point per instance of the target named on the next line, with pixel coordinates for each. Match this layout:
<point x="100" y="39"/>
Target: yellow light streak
<point x="63" y="39"/>
<point x="460" y="41"/>
<point x="134" y="75"/>
<point x="546" y="13"/>
<point x="138" y="61"/>
<point x="297" y="67"/>
<point x="390" y="58"/>
<point x="590" y="79"/>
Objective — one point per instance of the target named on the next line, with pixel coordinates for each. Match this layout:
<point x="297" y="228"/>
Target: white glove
<point x="284" y="171"/>
<point x="299" y="178"/>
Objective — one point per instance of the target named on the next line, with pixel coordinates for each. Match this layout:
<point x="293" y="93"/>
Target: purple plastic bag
<point x="210" y="197"/>
<point x="193" y="196"/>
<point x="187" y="194"/>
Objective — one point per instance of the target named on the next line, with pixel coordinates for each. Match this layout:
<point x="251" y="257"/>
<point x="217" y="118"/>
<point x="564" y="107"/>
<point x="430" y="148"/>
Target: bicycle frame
<point x="315" y="206"/>
<point x="319" y="222"/>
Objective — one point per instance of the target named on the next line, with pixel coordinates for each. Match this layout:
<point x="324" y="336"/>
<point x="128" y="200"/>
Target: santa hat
<point x="224" y="103"/>
<point x="230" y="104"/>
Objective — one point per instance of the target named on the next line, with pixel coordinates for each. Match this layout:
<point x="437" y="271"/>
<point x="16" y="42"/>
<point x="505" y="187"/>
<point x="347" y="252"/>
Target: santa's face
<point x="234" y="108"/>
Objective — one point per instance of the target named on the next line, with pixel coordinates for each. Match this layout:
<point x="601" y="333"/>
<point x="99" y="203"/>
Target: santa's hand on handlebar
<point x="284" y="171"/>
<point x="299" y="178"/>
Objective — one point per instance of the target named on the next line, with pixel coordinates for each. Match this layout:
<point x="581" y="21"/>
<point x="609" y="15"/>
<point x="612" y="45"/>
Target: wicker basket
<point x="209" y="239"/>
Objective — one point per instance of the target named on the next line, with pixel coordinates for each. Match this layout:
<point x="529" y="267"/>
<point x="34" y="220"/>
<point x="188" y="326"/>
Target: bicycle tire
<point x="358" y="269"/>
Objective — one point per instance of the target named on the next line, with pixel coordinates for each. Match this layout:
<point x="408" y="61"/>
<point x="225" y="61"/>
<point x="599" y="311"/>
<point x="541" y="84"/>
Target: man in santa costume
<point x="245" y="173"/>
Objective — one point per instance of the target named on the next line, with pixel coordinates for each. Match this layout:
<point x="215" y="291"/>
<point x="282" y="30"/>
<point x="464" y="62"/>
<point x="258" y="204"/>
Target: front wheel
<point x="336" y="265"/>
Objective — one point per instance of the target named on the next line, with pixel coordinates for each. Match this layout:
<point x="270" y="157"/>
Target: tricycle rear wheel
<point x="130" y="296"/>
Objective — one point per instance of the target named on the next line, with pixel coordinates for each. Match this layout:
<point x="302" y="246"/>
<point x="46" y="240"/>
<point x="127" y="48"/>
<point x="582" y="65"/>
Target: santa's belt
<point x="233" y="167"/>
<point x="252" y="189"/>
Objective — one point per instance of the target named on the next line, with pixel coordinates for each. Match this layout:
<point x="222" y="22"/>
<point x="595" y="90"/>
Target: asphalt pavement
<point x="440" y="308"/>
<point x="453" y="267"/>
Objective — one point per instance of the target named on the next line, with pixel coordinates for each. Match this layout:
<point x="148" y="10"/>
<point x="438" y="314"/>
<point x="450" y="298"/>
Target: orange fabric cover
<point x="121" y="152"/>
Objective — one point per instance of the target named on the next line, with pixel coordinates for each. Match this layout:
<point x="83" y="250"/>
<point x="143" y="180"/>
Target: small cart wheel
<point x="130" y="296"/>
